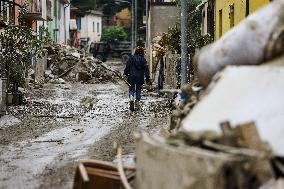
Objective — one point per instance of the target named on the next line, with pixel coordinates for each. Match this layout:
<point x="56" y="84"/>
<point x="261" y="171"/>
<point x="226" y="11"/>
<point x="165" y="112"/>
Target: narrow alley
<point x="62" y="123"/>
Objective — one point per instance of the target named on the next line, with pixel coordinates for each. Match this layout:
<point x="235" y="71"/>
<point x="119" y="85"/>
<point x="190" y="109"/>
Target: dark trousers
<point x="135" y="91"/>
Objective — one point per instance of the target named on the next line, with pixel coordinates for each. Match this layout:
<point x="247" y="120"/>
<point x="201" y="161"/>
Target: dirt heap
<point x="70" y="64"/>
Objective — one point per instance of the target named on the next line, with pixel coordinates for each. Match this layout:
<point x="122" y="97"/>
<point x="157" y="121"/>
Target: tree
<point x="114" y="33"/>
<point x="194" y="38"/>
<point x="18" y="44"/>
<point x="85" y="4"/>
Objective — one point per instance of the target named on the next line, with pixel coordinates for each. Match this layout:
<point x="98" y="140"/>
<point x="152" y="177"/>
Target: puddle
<point x="8" y="120"/>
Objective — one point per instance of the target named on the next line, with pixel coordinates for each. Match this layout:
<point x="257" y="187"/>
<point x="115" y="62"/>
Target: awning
<point x="34" y="16"/>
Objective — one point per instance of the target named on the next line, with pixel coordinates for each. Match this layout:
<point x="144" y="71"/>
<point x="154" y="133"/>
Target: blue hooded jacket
<point x="136" y="69"/>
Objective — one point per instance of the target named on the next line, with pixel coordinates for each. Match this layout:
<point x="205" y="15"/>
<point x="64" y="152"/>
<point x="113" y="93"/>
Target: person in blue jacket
<point x="136" y="70"/>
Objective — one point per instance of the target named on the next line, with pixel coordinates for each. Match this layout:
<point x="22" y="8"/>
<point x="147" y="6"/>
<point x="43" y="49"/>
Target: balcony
<point x="35" y="11"/>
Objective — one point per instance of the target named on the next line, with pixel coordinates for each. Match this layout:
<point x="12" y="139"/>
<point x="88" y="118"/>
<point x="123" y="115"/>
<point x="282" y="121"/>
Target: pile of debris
<point x="185" y="100"/>
<point x="204" y="151"/>
<point x="235" y="159"/>
<point x="69" y="64"/>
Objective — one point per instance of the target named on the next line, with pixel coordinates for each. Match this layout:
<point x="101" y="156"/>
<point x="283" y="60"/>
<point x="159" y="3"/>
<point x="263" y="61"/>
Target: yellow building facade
<point x="229" y="13"/>
<point x="123" y="18"/>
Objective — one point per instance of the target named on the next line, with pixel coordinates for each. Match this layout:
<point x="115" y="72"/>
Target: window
<point x="232" y="15"/>
<point x="78" y="22"/>
<point x="55" y="10"/>
<point x="48" y="7"/>
<point x="247" y="7"/>
<point x="220" y="23"/>
<point x="210" y="20"/>
<point x="98" y="27"/>
<point x="93" y="26"/>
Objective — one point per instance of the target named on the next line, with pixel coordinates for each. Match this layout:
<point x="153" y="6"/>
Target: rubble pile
<point x="187" y="98"/>
<point x="244" y="76"/>
<point x="261" y="40"/>
<point x="242" y="141"/>
<point x="70" y="64"/>
<point x="235" y="159"/>
<point x="253" y="152"/>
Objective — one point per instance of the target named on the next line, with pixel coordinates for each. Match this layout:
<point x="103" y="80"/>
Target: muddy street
<point x="62" y="123"/>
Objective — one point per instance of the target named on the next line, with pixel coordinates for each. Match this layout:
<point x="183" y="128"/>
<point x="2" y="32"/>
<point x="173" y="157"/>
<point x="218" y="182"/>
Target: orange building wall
<point x="31" y="8"/>
<point x="123" y="18"/>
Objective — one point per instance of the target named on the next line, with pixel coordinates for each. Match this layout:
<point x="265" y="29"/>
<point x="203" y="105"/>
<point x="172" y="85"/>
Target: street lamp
<point x="184" y="53"/>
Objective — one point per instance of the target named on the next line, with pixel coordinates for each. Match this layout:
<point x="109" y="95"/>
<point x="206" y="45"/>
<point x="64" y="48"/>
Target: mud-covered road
<point x="40" y="142"/>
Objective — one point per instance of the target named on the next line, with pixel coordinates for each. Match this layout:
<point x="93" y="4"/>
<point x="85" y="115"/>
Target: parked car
<point x="104" y="50"/>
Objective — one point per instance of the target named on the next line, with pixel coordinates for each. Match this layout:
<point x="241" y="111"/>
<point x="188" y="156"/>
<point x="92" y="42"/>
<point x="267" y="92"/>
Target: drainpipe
<point x="132" y="26"/>
<point x="135" y="22"/>
<point x="147" y="17"/>
<point x="184" y="53"/>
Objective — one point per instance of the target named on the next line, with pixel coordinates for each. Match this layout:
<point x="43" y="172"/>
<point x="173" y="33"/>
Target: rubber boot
<point x="131" y="105"/>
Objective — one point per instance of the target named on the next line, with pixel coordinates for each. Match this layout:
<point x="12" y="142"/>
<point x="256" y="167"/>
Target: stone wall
<point x="161" y="17"/>
<point x="171" y="79"/>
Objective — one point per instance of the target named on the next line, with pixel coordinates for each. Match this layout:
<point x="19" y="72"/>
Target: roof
<point x="94" y="12"/>
<point x="34" y="16"/>
<point x="65" y="1"/>
<point x="244" y="94"/>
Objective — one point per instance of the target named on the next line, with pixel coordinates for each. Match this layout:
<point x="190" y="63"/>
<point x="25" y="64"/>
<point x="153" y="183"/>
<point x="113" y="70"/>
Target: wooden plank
<point x="248" y="137"/>
<point x="83" y="172"/>
<point x="121" y="170"/>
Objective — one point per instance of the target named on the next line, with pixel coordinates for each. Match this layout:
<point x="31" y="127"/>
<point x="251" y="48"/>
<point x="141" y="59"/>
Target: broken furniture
<point x="95" y="174"/>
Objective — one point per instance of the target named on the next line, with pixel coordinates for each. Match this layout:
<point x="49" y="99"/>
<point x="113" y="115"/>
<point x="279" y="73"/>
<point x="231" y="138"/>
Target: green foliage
<point x="85" y="4"/>
<point x="18" y="45"/>
<point x="114" y="33"/>
<point x="128" y="33"/>
<point x="195" y="39"/>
